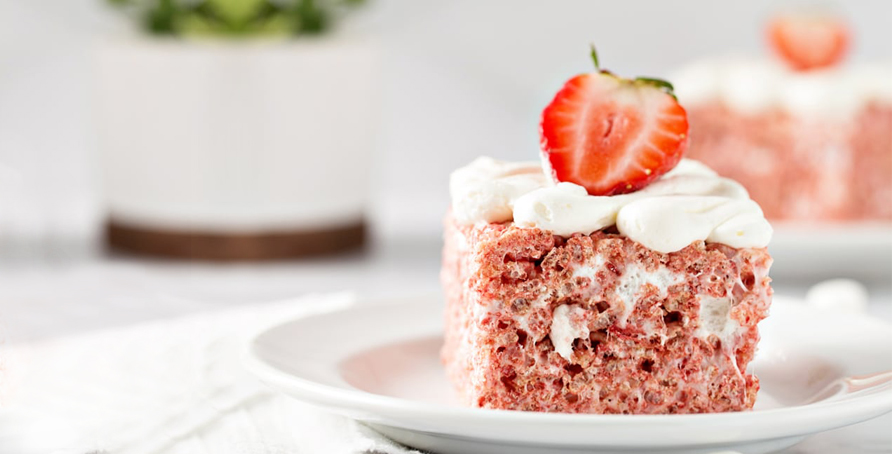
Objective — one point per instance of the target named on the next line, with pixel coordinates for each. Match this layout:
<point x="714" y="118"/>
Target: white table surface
<point x="64" y="289"/>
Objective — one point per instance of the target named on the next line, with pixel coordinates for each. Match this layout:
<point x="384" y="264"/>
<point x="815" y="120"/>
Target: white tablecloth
<point x="176" y="386"/>
<point x="167" y="387"/>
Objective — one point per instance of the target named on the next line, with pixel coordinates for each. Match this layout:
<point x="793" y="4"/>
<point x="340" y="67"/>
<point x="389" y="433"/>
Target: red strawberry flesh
<point x="809" y="41"/>
<point x="612" y="135"/>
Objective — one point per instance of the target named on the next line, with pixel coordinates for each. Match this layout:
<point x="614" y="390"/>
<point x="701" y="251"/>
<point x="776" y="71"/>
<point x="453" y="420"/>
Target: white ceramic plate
<point x="858" y="250"/>
<point x="378" y="363"/>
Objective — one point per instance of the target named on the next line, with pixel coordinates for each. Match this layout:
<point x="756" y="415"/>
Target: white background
<point x="462" y="78"/>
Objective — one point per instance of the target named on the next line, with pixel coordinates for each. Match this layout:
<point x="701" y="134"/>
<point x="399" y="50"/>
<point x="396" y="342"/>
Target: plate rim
<point x="382" y="409"/>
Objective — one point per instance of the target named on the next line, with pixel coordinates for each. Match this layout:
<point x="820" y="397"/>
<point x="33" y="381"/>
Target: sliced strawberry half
<point x="809" y="41"/>
<point x="613" y="135"/>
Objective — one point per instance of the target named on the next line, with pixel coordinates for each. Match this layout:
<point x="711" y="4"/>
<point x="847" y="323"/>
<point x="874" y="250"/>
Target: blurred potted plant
<point x="236" y="129"/>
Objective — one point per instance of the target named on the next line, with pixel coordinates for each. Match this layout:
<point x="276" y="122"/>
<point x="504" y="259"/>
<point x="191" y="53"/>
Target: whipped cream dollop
<point x="486" y="189"/>
<point x="689" y="203"/>
<point x="752" y="85"/>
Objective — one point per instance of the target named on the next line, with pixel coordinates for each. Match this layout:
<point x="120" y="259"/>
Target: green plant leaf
<point x="311" y="18"/>
<point x="236" y="17"/>
<point x="235" y="12"/>
<point x="161" y="20"/>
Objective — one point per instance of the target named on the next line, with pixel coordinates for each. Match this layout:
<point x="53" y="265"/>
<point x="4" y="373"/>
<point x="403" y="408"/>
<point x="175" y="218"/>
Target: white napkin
<point x="167" y="387"/>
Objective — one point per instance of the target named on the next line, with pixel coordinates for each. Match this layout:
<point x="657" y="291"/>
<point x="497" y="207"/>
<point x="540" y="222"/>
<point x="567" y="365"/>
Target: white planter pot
<point x="236" y="139"/>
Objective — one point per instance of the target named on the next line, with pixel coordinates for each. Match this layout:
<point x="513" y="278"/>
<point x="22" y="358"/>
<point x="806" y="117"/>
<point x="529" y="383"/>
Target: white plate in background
<point x="824" y="251"/>
<point x="379" y="363"/>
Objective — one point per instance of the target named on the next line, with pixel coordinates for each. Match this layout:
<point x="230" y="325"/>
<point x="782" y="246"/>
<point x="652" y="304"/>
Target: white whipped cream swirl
<point x="486" y="189"/>
<point x="687" y="204"/>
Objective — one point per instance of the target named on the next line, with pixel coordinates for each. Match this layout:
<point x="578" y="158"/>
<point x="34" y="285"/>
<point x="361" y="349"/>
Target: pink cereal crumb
<point x="503" y="283"/>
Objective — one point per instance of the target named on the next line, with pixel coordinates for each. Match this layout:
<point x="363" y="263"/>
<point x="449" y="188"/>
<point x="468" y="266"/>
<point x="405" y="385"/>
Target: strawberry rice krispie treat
<point x="616" y="277"/>
<point x="816" y="135"/>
